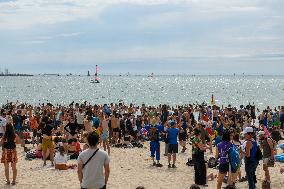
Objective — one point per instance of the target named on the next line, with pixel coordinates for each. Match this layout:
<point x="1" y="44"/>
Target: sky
<point x="142" y="36"/>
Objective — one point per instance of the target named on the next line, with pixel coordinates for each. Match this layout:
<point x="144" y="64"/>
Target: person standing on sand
<point x="155" y="146"/>
<point x="91" y="163"/>
<point x="47" y="143"/>
<point x="9" y="153"/>
<point x="251" y="162"/>
<point x="172" y="134"/>
<point x="198" y="149"/>
<point x="18" y="120"/>
<point x="88" y="124"/>
<point x="268" y="153"/>
<point x="105" y="133"/>
<point x="115" y="128"/>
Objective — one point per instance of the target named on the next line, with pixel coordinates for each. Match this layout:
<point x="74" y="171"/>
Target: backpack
<point x="258" y="153"/>
<point x="153" y="135"/>
<point x="234" y="157"/>
<point x="212" y="163"/>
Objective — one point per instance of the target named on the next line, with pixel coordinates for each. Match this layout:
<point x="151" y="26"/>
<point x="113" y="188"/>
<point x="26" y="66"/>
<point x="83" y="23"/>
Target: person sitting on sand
<point x="127" y="140"/>
<point x="73" y="148"/>
<point x="61" y="159"/>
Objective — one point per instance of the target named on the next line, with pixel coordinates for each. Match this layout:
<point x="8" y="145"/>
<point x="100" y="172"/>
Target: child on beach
<point x="155" y="146"/>
<point x="61" y="159"/>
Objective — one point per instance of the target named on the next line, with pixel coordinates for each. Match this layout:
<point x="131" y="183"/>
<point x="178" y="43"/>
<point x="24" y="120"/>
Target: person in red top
<point x="205" y="117"/>
<point x="77" y="145"/>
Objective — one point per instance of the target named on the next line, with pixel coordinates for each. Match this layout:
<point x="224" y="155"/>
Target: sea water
<point x="173" y="90"/>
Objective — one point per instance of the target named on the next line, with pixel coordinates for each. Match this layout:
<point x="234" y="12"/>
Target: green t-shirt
<point x="195" y="148"/>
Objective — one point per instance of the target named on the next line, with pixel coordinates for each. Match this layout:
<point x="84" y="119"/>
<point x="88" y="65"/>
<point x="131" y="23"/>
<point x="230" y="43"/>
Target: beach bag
<point x="212" y="162"/>
<point x="30" y="155"/>
<point x="189" y="163"/>
<point x="234" y="157"/>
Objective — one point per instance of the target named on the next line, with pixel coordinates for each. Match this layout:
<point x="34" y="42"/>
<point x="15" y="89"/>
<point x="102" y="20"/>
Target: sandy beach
<point x="129" y="168"/>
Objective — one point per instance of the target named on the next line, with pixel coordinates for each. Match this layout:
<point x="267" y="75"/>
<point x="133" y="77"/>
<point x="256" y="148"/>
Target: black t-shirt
<point x="47" y="130"/>
<point x="72" y="128"/>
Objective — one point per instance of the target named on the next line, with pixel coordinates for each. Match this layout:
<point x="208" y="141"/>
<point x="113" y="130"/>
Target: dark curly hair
<point x="9" y="133"/>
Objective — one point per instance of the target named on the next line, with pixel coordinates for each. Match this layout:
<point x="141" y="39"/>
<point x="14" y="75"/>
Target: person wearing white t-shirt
<point x="61" y="159"/>
<point x="93" y="165"/>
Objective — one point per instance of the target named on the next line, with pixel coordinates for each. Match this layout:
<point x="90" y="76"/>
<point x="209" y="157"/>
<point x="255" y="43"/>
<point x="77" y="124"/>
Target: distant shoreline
<point x="16" y="75"/>
<point x="131" y="75"/>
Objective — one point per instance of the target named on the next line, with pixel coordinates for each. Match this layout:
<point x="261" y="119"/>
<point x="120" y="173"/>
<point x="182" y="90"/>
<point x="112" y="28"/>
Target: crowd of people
<point x="239" y="134"/>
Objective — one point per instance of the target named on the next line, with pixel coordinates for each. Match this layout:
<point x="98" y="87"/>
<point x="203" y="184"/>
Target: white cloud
<point x="156" y="52"/>
<point x="34" y="42"/>
<point x="27" y="13"/>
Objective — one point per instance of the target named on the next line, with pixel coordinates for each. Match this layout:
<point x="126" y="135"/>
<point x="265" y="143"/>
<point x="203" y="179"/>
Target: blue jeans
<point x="250" y="167"/>
<point x="155" y="148"/>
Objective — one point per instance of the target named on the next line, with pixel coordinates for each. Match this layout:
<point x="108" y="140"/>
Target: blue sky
<point x="142" y="36"/>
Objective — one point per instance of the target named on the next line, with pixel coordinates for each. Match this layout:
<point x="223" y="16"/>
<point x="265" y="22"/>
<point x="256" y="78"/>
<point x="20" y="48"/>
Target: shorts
<point x="224" y="168"/>
<point x="57" y="123"/>
<point x="115" y="130"/>
<point x="9" y="156"/>
<point x="173" y="148"/>
<point x="105" y="135"/>
<point x="20" y="134"/>
<point x="61" y="166"/>
<point x="47" y="144"/>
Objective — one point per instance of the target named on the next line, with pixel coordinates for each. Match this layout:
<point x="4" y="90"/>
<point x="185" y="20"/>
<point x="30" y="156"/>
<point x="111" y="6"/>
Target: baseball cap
<point x="248" y="130"/>
<point x="172" y="123"/>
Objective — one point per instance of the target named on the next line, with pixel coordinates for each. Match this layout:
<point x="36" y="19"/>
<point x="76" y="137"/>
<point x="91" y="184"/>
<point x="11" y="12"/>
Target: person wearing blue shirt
<point x="155" y="146"/>
<point x="172" y="135"/>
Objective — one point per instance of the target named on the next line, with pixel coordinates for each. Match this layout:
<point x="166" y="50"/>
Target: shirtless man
<point x="115" y="128"/>
<point x="105" y="133"/>
<point x="88" y="125"/>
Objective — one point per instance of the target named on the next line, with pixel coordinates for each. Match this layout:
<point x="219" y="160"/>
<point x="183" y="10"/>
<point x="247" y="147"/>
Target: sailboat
<point x="96" y="80"/>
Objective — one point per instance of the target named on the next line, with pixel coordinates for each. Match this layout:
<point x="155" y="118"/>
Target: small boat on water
<point x="96" y="80"/>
